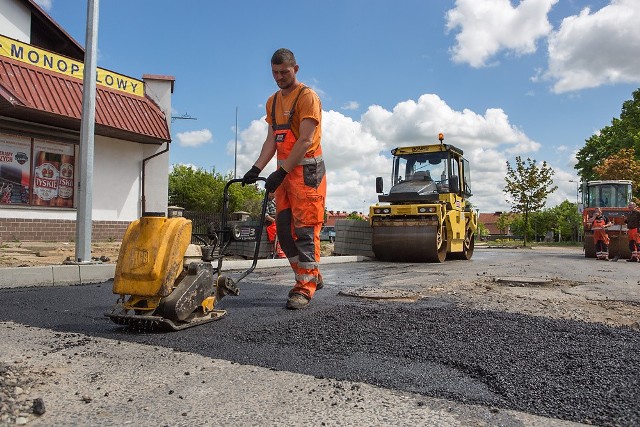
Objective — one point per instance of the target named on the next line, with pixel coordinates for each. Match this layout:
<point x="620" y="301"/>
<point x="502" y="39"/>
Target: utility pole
<point x="235" y="154"/>
<point x="84" y="213"/>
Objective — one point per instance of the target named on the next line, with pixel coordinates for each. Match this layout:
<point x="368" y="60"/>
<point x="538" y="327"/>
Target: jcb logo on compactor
<point x="139" y="257"/>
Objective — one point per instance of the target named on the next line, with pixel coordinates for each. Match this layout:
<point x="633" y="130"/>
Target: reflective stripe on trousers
<point x="602" y="251"/>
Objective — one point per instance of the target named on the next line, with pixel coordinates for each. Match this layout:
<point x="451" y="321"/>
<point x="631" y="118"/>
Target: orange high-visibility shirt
<point x="308" y="106"/>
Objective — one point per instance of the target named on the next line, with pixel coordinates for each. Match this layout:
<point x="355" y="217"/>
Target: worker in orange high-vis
<point x="633" y="223"/>
<point x="599" y="225"/>
<point x="270" y="226"/>
<point x="294" y="115"/>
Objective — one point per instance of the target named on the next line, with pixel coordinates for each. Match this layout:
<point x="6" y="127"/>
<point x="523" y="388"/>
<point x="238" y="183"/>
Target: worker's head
<point x="632" y="205"/>
<point x="598" y="211"/>
<point x="284" y="68"/>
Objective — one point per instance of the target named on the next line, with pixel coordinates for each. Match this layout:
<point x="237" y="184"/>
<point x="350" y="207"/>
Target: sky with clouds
<point x="499" y="78"/>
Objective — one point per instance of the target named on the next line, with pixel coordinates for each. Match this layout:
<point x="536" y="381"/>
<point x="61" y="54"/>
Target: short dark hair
<point x="282" y="56"/>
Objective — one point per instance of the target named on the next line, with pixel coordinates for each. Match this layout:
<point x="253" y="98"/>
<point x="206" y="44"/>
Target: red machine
<point x="613" y="197"/>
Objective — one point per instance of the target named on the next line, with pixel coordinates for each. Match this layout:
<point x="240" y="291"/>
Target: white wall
<point x="157" y="181"/>
<point x="15" y="20"/>
<point x="159" y="90"/>
<point x="117" y="179"/>
<point x="117" y="171"/>
<point x="157" y="169"/>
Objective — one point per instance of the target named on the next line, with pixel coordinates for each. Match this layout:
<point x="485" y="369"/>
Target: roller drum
<point x="418" y="243"/>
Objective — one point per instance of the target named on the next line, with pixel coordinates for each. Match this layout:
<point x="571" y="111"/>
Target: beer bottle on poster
<point x="45" y="179"/>
<point x="65" y="186"/>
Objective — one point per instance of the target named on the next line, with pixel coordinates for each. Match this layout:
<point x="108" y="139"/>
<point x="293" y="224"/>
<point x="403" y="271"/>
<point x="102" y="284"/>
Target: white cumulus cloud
<point x="194" y="138"/>
<point x="487" y="27"/>
<point x="357" y="151"/>
<point x="351" y="105"/>
<point x="592" y="49"/>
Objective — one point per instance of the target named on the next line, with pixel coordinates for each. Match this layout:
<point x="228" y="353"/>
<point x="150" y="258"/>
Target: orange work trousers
<point x="300" y="202"/>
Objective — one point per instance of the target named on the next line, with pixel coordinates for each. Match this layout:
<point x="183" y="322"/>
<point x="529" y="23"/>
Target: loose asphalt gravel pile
<point x="570" y="370"/>
<point x="15" y="404"/>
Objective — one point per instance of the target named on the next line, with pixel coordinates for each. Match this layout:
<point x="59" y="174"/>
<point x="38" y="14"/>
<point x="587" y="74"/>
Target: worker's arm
<point x="269" y="218"/>
<point x="302" y="145"/>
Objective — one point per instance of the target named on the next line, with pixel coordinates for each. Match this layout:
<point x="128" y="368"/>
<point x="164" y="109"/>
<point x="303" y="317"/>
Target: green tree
<point x="624" y="132"/>
<point x="199" y="190"/>
<point x="483" y="231"/>
<point x="567" y="220"/>
<point x="527" y="187"/>
<point x="541" y="222"/>
<point x="517" y="227"/>
<point x="622" y="165"/>
<point x="504" y="222"/>
<point x="355" y="216"/>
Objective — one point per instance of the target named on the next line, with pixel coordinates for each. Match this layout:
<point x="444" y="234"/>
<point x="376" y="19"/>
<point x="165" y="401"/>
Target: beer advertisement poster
<point x="15" y="169"/>
<point x="52" y="174"/>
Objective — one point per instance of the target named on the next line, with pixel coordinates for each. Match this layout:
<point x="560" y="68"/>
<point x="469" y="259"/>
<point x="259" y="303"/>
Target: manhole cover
<point x="524" y="281"/>
<point x="382" y="294"/>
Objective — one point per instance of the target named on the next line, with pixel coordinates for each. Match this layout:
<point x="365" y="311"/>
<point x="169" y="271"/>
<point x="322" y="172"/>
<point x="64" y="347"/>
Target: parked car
<point x="328" y="233"/>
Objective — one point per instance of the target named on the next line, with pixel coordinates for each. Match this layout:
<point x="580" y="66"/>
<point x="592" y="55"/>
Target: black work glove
<point x="251" y="176"/>
<point x="274" y="180"/>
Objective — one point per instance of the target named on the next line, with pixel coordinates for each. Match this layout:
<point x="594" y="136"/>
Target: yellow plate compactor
<point x="157" y="290"/>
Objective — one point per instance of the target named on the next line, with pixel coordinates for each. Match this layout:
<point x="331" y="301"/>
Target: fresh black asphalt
<point x="570" y="370"/>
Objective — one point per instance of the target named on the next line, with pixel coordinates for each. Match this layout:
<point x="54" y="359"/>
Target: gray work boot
<point x="297" y="301"/>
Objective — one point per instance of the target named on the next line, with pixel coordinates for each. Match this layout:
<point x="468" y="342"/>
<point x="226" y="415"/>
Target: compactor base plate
<point x="150" y="323"/>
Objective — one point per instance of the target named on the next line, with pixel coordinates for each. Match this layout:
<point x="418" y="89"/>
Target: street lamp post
<point x="577" y="190"/>
<point x="578" y="234"/>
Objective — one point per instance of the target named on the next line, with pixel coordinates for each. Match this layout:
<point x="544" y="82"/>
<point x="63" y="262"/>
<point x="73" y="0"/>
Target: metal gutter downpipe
<point x="144" y="162"/>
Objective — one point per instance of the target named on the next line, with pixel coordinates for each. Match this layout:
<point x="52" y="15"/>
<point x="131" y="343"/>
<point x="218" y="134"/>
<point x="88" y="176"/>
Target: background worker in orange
<point x="294" y="114"/>
<point x="270" y="222"/>
<point x="599" y="223"/>
<point x="633" y="222"/>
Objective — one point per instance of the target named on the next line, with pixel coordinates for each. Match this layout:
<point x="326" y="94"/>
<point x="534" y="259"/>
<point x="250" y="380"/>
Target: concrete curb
<point x="56" y="275"/>
<point x="65" y="275"/>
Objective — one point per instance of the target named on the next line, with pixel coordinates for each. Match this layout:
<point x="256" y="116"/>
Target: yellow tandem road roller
<point x="426" y="216"/>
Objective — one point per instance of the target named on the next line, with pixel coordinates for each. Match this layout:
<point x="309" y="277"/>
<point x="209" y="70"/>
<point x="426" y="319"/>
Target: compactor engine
<point x="425" y="216"/>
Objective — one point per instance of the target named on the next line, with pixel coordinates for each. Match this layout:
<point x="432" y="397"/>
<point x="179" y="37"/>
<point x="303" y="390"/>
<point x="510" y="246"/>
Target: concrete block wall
<point x="353" y="237"/>
<point x="246" y="249"/>
<point x="59" y="230"/>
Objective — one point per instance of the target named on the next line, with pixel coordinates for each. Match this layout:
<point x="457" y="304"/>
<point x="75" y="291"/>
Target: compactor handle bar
<point x="225" y="208"/>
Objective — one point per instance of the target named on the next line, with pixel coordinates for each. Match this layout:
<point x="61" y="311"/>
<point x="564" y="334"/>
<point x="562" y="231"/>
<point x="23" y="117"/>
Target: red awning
<point x="37" y="95"/>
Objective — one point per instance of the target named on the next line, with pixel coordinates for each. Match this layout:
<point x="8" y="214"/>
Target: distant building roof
<point x="333" y="216"/>
<point x="490" y="222"/>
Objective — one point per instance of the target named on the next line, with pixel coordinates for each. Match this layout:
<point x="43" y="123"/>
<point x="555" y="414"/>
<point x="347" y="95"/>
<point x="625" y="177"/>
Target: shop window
<point x="36" y="172"/>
